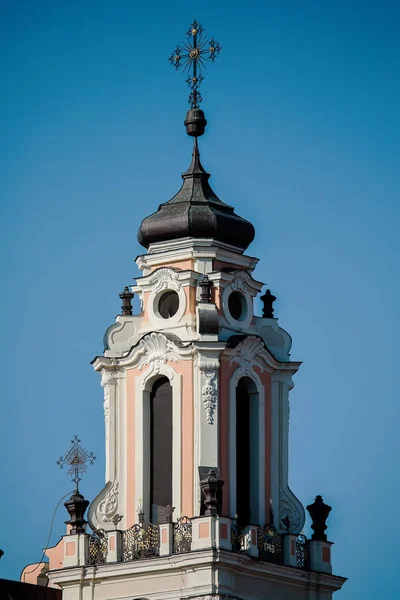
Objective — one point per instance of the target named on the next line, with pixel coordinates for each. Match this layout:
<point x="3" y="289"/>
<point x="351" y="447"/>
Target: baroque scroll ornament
<point x="209" y="396"/>
<point x="239" y="281"/>
<point x="165" y="279"/>
<point x="108" y="506"/>
<point x="248" y="355"/>
<point x="157" y="350"/>
<point x="289" y="509"/>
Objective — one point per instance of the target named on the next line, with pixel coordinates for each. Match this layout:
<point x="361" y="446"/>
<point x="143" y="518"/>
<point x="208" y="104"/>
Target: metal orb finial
<point x="192" y="56"/>
<point x="76" y="458"/>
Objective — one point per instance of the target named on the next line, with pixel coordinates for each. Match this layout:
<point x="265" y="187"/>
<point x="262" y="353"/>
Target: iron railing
<point x="141" y="541"/>
<point x="240" y="539"/>
<point x="98" y="548"/>
<point x="302" y="554"/>
<point x="270" y="544"/>
<point x="182" y="535"/>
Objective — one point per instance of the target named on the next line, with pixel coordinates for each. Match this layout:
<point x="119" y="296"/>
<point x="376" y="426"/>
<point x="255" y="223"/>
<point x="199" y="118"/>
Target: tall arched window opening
<point x="160" y="449"/>
<point x="247" y="452"/>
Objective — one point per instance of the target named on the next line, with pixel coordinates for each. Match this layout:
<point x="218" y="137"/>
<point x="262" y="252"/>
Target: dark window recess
<point x="243" y="453"/>
<point x="168" y="304"/>
<point x="160" y="449"/>
<point x="235" y="305"/>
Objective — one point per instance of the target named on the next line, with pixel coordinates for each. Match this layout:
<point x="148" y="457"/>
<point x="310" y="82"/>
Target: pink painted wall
<point x="182" y="265"/>
<point x="185" y="368"/>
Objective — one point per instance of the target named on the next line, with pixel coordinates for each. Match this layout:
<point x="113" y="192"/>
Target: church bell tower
<point x="197" y="502"/>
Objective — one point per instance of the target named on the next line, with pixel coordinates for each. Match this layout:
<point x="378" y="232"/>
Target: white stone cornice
<point x="238" y="280"/>
<point x="156" y="349"/>
<point x="153" y="349"/>
<point x="202" y="251"/>
<point x="203" y="561"/>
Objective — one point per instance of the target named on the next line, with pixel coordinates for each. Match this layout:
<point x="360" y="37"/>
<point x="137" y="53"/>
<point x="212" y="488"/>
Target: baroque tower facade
<point x="196" y="502"/>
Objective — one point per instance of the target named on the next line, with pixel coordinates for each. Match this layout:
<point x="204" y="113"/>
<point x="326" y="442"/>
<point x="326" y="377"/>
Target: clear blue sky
<point x="303" y="139"/>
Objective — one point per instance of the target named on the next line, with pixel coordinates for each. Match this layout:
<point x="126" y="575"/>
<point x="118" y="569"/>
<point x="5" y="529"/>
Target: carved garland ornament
<point x="165" y="279"/>
<point x="107" y="379"/>
<point x="108" y="507"/>
<point x="248" y="355"/>
<point x="209" y="396"/>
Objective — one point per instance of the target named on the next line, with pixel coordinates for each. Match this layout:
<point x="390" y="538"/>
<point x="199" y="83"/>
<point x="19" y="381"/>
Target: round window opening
<point x="237" y="305"/>
<point x="168" y="304"/>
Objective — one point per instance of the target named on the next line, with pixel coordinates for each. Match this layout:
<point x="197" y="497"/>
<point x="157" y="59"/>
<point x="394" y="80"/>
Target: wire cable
<point x="49" y="536"/>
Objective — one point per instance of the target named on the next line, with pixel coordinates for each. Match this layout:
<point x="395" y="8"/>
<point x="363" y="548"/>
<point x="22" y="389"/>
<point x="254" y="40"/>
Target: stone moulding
<point x="289" y="506"/>
<point x="165" y="279"/>
<point x="239" y="281"/>
<point x="249" y="354"/>
<point x="109" y="505"/>
<point x="107" y="379"/>
<point x="209" y="395"/>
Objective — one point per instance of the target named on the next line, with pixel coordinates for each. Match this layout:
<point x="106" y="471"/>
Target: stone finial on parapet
<point x="76" y="507"/>
<point x="126" y="296"/>
<point x="268" y="299"/>
<point x="211" y="489"/>
<point x="319" y="512"/>
<point x="205" y="289"/>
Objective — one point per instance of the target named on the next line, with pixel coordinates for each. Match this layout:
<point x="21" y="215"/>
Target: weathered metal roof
<point x="196" y="211"/>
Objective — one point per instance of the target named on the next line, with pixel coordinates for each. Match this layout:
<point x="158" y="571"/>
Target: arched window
<point x="247" y="452"/>
<point x="160" y="449"/>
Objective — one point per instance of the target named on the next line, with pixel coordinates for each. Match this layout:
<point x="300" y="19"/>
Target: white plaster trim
<point x="263" y="357"/>
<point x="164" y="279"/>
<point x="154" y="348"/>
<point x="233" y="383"/>
<point x="152" y="307"/>
<point x="143" y="386"/>
<point x="200" y="250"/>
<point x="247" y="314"/>
<point x="108" y="507"/>
<point x="210" y="395"/>
<point x="249" y="355"/>
<point x="284" y="501"/>
<point x="206" y="435"/>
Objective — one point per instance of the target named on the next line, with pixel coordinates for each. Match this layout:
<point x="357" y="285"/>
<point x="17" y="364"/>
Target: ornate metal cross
<point x="191" y="57"/>
<point x="76" y="458"/>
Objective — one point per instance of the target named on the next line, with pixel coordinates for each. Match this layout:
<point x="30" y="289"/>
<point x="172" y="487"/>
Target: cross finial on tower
<point x="76" y="458"/>
<point x="192" y="56"/>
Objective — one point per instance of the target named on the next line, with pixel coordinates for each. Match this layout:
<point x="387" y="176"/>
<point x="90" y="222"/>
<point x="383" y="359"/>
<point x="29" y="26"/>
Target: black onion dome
<point x="196" y="212"/>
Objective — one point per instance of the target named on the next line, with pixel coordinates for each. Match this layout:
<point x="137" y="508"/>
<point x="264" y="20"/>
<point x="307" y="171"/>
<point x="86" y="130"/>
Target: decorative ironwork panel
<point x="241" y="541"/>
<point x="183" y="535"/>
<point x="269" y="543"/>
<point x="141" y="541"/>
<point x="98" y="548"/>
<point x="302" y="551"/>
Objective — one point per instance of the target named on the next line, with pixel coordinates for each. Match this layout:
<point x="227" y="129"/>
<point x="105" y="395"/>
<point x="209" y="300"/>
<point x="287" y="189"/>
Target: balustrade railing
<point x="182" y="535"/>
<point x="240" y="540"/>
<point x="302" y="555"/>
<point x="98" y="548"/>
<point x="270" y="544"/>
<point x="141" y="541"/>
